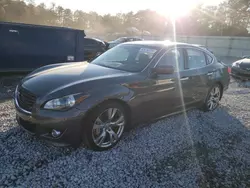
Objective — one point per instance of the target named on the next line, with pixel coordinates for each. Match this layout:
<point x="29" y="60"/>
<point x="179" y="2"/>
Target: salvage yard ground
<point x="188" y="150"/>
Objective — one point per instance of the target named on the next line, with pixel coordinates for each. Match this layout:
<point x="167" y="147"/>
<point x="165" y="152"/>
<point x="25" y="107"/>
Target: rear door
<point x="194" y="80"/>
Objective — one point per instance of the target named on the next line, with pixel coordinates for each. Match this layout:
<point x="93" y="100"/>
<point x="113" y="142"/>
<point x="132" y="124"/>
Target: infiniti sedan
<point x="93" y="103"/>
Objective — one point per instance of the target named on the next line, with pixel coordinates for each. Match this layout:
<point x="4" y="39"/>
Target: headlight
<point x="60" y="103"/>
<point x="65" y="102"/>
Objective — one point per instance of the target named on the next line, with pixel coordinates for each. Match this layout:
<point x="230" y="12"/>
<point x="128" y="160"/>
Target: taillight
<point x="229" y="70"/>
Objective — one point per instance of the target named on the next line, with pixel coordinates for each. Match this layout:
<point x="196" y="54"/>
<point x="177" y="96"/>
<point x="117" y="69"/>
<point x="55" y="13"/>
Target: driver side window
<point x="173" y="57"/>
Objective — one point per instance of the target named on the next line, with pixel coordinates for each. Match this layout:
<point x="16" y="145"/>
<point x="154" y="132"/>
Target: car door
<point x="166" y="87"/>
<point x="194" y="78"/>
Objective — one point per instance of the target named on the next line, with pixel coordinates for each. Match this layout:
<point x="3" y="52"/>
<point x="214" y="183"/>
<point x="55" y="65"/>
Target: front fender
<point x="102" y="94"/>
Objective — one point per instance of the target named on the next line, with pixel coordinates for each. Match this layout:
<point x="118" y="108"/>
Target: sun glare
<point x="176" y="8"/>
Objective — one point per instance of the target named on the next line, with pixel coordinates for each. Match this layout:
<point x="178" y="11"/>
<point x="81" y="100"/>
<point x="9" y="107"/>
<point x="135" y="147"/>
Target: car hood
<point x="65" y="75"/>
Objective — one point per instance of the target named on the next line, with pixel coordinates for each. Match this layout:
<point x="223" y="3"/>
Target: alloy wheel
<point x="108" y="127"/>
<point x="214" y="98"/>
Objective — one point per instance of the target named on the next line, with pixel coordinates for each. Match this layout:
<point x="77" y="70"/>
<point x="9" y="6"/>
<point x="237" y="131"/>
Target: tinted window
<point x="173" y="57"/>
<point x="196" y="59"/>
<point x="132" y="58"/>
<point x="209" y="59"/>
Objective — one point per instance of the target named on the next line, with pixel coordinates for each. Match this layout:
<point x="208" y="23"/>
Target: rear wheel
<point x="213" y="98"/>
<point x="105" y="126"/>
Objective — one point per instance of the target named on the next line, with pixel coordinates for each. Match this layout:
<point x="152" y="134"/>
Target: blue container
<point x="25" y="47"/>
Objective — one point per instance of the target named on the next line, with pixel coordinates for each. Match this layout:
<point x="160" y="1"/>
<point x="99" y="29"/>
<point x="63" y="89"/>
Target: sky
<point x="116" y="6"/>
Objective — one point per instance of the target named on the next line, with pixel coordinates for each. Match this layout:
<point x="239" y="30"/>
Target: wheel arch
<point x="116" y="100"/>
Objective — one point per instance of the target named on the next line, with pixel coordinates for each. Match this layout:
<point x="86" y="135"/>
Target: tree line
<point x="230" y="18"/>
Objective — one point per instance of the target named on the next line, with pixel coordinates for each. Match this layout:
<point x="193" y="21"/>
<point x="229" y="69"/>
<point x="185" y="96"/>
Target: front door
<point x="166" y="89"/>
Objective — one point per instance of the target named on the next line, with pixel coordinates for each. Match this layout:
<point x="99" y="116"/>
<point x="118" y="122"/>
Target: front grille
<point x="26" y="99"/>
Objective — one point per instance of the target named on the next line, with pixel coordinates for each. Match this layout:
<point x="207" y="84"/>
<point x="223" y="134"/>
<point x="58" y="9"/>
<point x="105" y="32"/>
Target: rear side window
<point x="209" y="59"/>
<point x="195" y="59"/>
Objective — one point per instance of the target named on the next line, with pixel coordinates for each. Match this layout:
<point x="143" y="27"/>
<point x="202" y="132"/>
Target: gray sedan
<point x="93" y="103"/>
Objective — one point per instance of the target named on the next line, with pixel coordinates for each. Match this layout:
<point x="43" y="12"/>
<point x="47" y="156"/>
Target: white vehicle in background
<point x="122" y="40"/>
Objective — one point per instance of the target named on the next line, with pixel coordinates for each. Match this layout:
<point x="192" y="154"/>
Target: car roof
<point x="161" y="44"/>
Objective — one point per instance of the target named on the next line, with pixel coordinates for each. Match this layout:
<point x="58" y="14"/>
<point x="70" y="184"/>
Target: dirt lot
<point x="194" y="149"/>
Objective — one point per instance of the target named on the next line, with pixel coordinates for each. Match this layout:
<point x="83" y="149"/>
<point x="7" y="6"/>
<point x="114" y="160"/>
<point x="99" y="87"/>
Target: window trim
<point x="184" y="48"/>
<point x="151" y="63"/>
<point x="206" y="54"/>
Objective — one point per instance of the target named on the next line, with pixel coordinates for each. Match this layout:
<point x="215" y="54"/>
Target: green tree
<point x="232" y="18"/>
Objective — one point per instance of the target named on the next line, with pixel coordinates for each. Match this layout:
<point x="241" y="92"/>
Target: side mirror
<point x="168" y="69"/>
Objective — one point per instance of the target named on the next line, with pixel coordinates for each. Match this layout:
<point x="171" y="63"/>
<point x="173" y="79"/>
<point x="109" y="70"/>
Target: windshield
<point x="131" y="58"/>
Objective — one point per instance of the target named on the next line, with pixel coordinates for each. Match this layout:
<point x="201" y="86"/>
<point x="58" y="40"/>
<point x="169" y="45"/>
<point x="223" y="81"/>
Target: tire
<point x="101" y="131"/>
<point x="213" y="98"/>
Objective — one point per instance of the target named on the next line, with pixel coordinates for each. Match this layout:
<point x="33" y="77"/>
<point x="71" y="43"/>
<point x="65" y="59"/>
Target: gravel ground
<point x="195" y="149"/>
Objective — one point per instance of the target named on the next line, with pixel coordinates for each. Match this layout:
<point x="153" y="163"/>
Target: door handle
<point x="184" y="78"/>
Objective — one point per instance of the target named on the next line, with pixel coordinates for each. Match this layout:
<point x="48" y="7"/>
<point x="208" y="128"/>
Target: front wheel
<point x="213" y="98"/>
<point x="105" y="126"/>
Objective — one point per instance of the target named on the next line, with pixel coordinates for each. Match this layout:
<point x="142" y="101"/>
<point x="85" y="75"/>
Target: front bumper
<point x="240" y="73"/>
<point x="42" y="122"/>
